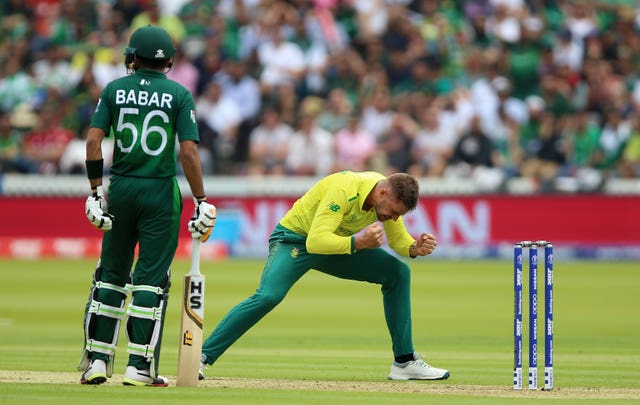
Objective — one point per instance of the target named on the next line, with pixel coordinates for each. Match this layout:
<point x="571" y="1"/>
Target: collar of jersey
<point x="149" y="72"/>
<point x="365" y="187"/>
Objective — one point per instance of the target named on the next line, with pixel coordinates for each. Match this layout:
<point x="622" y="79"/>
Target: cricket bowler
<point x="322" y="231"/>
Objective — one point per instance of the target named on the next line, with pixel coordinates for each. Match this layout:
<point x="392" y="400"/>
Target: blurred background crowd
<point x="494" y="89"/>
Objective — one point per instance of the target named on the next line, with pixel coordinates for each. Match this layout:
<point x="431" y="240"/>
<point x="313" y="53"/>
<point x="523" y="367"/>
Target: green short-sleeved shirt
<point x="146" y="111"/>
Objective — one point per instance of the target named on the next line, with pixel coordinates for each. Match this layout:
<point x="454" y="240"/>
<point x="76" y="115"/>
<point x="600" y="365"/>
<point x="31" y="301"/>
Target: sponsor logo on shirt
<point x="334" y="207"/>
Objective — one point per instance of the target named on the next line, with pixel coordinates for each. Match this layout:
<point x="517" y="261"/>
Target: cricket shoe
<point x="203" y="366"/>
<point x="142" y="378"/>
<point x="95" y="374"/>
<point x="416" y="369"/>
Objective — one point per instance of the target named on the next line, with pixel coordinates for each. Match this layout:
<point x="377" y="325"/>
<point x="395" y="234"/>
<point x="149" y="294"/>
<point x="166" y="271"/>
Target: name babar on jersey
<point x="143" y="98"/>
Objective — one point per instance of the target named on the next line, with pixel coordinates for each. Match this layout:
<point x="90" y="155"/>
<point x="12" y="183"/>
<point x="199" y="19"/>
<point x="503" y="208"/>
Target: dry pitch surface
<point x="33" y="377"/>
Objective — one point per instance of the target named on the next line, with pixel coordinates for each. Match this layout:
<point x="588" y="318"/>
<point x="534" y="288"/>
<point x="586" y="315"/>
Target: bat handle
<point x="195" y="257"/>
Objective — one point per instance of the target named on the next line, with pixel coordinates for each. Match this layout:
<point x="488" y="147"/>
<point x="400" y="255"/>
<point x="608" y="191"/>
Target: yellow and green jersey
<point x="146" y="111"/>
<point x="331" y="212"/>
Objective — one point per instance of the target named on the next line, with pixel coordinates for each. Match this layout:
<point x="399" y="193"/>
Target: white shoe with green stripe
<point x="95" y="374"/>
<point x="142" y="378"/>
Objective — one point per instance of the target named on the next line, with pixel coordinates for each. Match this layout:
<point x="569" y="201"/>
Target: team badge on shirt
<point x="334" y="207"/>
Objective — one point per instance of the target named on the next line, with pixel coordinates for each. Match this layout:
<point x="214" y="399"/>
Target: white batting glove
<point x="203" y="220"/>
<point x="96" y="209"/>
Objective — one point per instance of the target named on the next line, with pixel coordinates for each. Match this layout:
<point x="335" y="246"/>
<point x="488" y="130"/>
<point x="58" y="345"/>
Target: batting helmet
<point x="151" y="42"/>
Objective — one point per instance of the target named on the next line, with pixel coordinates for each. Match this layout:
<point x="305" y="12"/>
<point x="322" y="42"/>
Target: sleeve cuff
<point x="353" y="245"/>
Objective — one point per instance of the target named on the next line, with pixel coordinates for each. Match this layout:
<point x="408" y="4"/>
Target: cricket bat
<point x="191" y="323"/>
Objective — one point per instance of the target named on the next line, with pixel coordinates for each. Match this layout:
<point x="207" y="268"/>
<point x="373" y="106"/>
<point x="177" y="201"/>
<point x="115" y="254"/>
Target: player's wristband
<point x="94" y="168"/>
<point x="353" y="245"/>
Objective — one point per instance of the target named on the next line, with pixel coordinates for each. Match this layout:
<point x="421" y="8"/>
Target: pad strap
<point x="99" y="308"/>
<point x="154" y="314"/>
<point x="148" y="288"/>
<point x="100" y="347"/>
<point x="122" y="290"/>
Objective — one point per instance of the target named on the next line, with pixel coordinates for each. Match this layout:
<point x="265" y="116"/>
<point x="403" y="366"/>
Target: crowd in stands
<point x="494" y="89"/>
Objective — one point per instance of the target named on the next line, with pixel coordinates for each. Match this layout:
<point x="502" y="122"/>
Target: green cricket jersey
<point x="330" y="213"/>
<point x="144" y="110"/>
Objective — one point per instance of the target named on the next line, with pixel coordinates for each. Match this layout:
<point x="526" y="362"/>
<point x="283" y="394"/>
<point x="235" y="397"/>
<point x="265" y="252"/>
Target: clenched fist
<point x="423" y="246"/>
<point x="371" y="238"/>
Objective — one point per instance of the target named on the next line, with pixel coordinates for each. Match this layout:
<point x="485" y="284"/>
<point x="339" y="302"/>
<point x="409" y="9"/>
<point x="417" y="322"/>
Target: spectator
<point x="269" y="144"/>
<point x="153" y="15"/>
<point x="528" y="131"/>
<point x="420" y="79"/>
<point x="244" y="91"/>
<point x="208" y="63"/>
<point x="616" y="131"/>
<point x="11" y="159"/>
<point x="523" y="59"/>
<point x="184" y="71"/>
<point x="108" y="59"/>
<point x="514" y="108"/>
<point x="472" y="150"/>
<point x="557" y="93"/>
<point x="396" y="143"/>
<point x="377" y="113"/>
<point x="433" y="145"/>
<point x="73" y="160"/>
<point x="354" y="148"/>
<point x="582" y="140"/>
<point x="310" y="150"/>
<point x="241" y="10"/>
<point x="54" y="70"/>
<point x="629" y="166"/>
<point x="480" y="31"/>
<point x="282" y="63"/>
<point x="125" y="11"/>
<point x="346" y="71"/>
<point x="316" y="56"/>
<point x="17" y="86"/>
<point x="45" y="144"/>
<point x="567" y="51"/>
<point x="543" y="161"/>
<point x="581" y="19"/>
<point x="503" y="25"/>
<point x="218" y="120"/>
<point x="372" y="17"/>
<point x="435" y="29"/>
<point x="84" y="100"/>
<point x="336" y="112"/>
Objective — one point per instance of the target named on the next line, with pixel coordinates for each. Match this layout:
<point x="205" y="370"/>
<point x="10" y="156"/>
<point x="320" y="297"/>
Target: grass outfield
<point x="328" y="343"/>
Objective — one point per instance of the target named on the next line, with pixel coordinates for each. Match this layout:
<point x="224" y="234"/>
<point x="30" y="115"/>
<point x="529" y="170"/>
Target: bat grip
<point x="195" y="257"/>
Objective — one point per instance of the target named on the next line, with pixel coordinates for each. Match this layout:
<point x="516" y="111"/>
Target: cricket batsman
<point x="146" y="113"/>
<point x="322" y="231"/>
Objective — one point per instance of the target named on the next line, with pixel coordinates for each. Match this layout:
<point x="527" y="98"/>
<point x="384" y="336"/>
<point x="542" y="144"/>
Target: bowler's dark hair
<point x="405" y="188"/>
